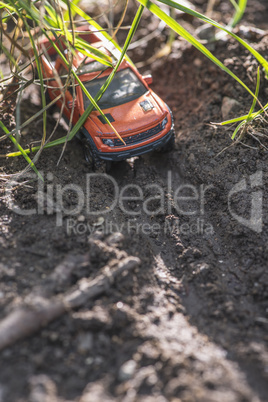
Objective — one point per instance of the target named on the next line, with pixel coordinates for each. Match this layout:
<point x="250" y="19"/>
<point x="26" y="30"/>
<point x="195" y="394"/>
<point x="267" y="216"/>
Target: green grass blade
<point x="93" y="102"/>
<point x="243" y="123"/>
<point x="31" y="119"/>
<point x="127" y="43"/>
<point x="29" y="7"/>
<point x="66" y="15"/>
<point x="38" y="64"/>
<point x="89" y="109"/>
<point x="109" y="79"/>
<point x="7" y="6"/>
<point x="249" y="116"/>
<point x="8" y="55"/>
<point x="240" y="10"/>
<point x="94" y="52"/>
<point x="39" y="69"/>
<point x="186" y="35"/>
<point x="237" y="119"/>
<point x="21" y="150"/>
<point x="256" y="96"/>
<point x="57" y="22"/>
<point x="235" y="5"/>
<point x="208" y="20"/>
<point x="94" y="23"/>
<point x="79" y="44"/>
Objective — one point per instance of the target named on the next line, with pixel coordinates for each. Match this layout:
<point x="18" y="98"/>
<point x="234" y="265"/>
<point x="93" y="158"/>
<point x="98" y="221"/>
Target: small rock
<point x="99" y="222"/>
<point x="179" y="247"/>
<point x="216" y="86"/>
<point x="206" y="32"/>
<point x="89" y="361"/>
<point x="38" y="360"/>
<point x="115" y="238"/>
<point x="81" y="218"/>
<point x="229" y="105"/>
<point x="127" y="370"/>
<point x="42" y="389"/>
<point x="192" y="159"/>
<point x="228" y="62"/>
<point x="251" y="33"/>
<point x="197" y="253"/>
<point x="96" y="235"/>
<point x="53" y="336"/>
<point x="6" y="272"/>
<point x="84" y="342"/>
<point x="197" y="62"/>
<point x="98" y="360"/>
<point x="204" y="267"/>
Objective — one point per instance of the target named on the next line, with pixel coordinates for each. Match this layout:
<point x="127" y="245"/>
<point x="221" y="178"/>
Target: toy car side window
<point x="71" y="90"/>
<point x="63" y="73"/>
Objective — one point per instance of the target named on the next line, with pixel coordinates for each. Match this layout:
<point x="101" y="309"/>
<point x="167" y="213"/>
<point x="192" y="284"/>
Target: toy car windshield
<point x="91" y="67"/>
<point x="125" y="87"/>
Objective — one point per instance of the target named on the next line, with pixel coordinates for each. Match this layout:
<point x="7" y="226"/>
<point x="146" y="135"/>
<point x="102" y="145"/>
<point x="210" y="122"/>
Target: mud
<point x="190" y="323"/>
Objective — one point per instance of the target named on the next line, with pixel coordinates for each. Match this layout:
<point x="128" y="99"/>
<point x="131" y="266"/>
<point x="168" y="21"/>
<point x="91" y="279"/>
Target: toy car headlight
<point x="164" y="123"/>
<point x="108" y="141"/>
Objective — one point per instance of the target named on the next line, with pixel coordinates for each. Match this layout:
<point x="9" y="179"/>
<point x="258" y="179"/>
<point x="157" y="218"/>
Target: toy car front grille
<point x="134" y="139"/>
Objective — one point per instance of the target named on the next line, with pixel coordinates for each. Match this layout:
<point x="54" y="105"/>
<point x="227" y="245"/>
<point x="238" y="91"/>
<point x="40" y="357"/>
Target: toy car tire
<point x="97" y="164"/>
<point x="48" y="100"/>
<point x="169" y="145"/>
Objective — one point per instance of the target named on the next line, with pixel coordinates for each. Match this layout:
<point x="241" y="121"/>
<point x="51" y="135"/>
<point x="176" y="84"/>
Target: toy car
<point x="141" y="118"/>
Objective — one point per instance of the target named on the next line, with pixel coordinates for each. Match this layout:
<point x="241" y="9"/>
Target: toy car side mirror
<point x="148" y="79"/>
<point x="72" y="104"/>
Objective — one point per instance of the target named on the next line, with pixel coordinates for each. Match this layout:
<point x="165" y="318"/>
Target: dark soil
<point x="190" y="323"/>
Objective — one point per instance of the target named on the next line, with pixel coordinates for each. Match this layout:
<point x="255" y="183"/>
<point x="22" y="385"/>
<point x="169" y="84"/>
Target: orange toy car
<point x="142" y="119"/>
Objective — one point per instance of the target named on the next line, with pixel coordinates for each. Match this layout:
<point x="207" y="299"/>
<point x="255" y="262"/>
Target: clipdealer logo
<point x="150" y="199"/>
<point x="254" y="222"/>
<point x="186" y="200"/>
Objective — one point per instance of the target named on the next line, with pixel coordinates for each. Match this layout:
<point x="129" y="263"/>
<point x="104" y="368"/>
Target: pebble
<point x="99" y="222"/>
<point x="84" y="342"/>
<point x="54" y="336"/>
<point x="89" y="361"/>
<point x="197" y="62"/>
<point x="5" y="271"/>
<point x="191" y="158"/>
<point x="229" y="107"/>
<point x="115" y="238"/>
<point x="127" y="370"/>
<point x="251" y="33"/>
<point x="206" y="32"/>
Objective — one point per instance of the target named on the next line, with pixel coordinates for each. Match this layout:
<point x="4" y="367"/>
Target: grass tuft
<point x="59" y="19"/>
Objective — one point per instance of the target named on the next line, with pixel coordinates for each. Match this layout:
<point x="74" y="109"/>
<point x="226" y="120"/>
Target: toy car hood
<point x="144" y="111"/>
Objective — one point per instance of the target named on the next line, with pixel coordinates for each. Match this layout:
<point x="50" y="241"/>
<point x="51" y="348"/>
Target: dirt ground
<point x="189" y="322"/>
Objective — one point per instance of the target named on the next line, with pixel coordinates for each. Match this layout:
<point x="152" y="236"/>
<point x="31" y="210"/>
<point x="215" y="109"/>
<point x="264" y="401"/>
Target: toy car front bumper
<point x="122" y="155"/>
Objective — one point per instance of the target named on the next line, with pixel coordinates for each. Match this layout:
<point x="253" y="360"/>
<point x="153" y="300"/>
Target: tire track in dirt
<point x="171" y="271"/>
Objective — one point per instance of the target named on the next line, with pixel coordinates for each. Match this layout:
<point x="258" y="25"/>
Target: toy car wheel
<point x="97" y="164"/>
<point x="108" y="166"/>
<point x="169" y="145"/>
<point x="48" y="100"/>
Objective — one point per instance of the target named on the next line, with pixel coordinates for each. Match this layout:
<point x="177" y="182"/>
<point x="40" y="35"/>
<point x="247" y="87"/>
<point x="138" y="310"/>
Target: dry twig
<point x="37" y="311"/>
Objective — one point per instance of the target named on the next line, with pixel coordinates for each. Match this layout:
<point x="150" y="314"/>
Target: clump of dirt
<point x="190" y="321"/>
